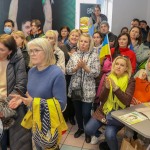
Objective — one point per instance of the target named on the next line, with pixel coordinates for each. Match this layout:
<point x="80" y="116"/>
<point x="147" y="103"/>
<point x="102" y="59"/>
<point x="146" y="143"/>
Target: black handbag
<point x="77" y="94"/>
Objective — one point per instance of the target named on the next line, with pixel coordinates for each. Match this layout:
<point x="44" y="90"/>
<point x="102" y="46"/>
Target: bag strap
<point x="82" y="81"/>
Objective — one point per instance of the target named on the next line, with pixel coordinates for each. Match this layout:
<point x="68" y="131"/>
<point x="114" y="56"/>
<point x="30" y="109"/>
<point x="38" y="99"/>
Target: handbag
<point x="77" y="94"/>
<point x="9" y="114"/>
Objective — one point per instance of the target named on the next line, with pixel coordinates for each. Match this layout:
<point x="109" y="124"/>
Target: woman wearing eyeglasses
<point x="13" y="76"/>
<point x="117" y="92"/>
<point x="45" y="81"/>
<point x="123" y="41"/>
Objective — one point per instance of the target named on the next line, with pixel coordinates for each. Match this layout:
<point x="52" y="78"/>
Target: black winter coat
<point x="19" y="137"/>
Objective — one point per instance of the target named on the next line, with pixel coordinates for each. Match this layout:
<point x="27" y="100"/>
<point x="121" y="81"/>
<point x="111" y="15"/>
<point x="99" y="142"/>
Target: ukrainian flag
<point x="105" y="50"/>
<point x="91" y="30"/>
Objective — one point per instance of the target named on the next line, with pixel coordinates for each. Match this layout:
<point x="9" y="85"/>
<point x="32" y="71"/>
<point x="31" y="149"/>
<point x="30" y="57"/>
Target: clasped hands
<point x="17" y="100"/>
<point x="108" y="82"/>
<point x="82" y="64"/>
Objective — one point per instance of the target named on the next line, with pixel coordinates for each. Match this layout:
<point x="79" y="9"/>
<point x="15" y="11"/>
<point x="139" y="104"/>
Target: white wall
<point x="148" y="13"/>
<point x="119" y="12"/>
<point x="125" y="10"/>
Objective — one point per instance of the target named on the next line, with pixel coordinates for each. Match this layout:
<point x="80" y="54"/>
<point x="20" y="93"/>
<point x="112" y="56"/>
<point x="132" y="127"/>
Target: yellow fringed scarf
<point x="113" y="102"/>
<point x="32" y="118"/>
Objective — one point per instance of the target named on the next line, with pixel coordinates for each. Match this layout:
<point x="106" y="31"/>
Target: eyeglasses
<point x="34" y="51"/>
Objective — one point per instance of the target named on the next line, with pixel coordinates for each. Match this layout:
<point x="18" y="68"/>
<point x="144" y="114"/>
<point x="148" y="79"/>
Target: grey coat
<point x="16" y="73"/>
<point x="20" y="138"/>
<point x="142" y="52"/>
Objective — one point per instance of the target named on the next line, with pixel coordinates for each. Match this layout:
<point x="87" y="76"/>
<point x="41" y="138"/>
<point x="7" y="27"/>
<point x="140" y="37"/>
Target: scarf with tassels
<point x="113" y="103"/>
<point x="70" y="46"/>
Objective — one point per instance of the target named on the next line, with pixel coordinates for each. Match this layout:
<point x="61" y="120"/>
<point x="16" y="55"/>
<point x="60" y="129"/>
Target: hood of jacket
<point x="16" y="57"/>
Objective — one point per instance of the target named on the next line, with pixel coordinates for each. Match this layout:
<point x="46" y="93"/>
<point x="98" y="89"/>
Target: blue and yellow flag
<point x="105" y="50"/>
<point x="91" y="30"/>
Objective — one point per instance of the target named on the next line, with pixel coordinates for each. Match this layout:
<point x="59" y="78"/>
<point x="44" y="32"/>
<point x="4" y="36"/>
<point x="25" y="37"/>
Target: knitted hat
<point x="104" y="22"/>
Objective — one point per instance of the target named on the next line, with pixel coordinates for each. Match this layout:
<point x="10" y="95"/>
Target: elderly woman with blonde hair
<point x="45" y="81"/>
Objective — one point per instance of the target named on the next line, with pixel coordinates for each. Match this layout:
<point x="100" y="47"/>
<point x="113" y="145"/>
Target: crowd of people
<point x="65" y="65"/>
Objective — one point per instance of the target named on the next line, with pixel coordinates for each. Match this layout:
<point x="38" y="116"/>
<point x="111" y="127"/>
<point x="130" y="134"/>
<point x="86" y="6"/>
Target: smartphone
<point x="20" y="93"/>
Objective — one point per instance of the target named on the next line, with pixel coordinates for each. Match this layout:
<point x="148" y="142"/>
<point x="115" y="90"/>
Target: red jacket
<point x="130" y="54"/>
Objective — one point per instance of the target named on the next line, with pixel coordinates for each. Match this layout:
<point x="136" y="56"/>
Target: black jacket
<point x="19" y="137"/>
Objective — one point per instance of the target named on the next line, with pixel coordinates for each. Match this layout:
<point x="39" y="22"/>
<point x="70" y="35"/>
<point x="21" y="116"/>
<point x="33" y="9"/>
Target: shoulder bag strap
<point x="82" y="81"/>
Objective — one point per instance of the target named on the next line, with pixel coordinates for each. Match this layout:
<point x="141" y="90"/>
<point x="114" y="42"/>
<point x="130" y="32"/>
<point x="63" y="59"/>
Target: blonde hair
<point x="91" y="43"/>
<point x="128" y="64"/>
<point x="74" y="31"/>
<point x="22" y="36"/>
<point x="55" y="36"/>
<point x="45" y="45"/>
